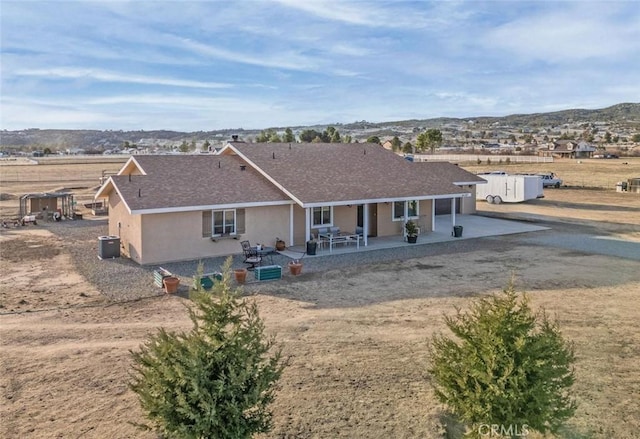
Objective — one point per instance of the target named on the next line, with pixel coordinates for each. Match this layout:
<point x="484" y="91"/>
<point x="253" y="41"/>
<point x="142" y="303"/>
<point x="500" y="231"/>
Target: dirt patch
<point x="356" y="338"/>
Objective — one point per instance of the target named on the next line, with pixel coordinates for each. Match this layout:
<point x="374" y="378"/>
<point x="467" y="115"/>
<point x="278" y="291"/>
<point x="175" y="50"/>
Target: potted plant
<point x="412" y="231"/>
<point x="280" y="245"/>
<point x="240" y="275"/>
<point x="295" y="267"/>
<point x="171" y="284"/>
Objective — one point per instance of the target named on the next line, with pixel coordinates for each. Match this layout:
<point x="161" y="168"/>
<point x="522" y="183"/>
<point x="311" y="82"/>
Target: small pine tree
<point x="509" y="367"/>
<point x="215" y="381"/>
<point x="488" y="161"/>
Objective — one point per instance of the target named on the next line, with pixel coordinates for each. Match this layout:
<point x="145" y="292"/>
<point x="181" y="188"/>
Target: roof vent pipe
<point x="243" y="167"/>
<point x="273" y="155"/>
<point x="219" y="165"/>
<point x="139" y="193"/>
<point x="289" y="145"/>
<point x="129" y="178"/>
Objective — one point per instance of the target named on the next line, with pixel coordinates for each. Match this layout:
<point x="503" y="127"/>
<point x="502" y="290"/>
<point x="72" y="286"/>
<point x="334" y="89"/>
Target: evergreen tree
<point x="430" y="139"/>
<point x="396" y="144"/>
<point x="308" y="136"/>
<point x="509" y="367"/>
<point x="289" y="136"/>
<point x="215" y="381"/>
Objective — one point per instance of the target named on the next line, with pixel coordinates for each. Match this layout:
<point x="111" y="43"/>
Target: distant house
<point x="567" y="149"/>
<point x="186" y="207"/>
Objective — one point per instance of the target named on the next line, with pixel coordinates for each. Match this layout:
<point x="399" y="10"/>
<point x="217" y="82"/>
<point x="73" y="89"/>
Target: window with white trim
<point x="412" y="209"/>
<point x="222" y="222"/>
<point x="322" y="216"/>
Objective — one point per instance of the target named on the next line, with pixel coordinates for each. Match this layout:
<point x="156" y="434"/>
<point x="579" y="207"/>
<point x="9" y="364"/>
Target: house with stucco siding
<point x="186" y="207"/>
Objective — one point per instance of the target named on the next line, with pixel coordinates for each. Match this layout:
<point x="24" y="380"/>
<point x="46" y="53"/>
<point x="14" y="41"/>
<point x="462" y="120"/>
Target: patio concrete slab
<point x="473" y="226"/>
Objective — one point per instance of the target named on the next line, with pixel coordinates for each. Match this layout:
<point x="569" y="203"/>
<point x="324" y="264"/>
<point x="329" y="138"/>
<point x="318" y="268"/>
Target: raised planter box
<point x="268" y="272"/>
<point x="159" y="275"/>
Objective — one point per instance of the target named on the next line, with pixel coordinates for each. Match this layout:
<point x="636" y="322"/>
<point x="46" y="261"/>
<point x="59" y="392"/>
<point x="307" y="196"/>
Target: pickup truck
<point x="550" y="180"/>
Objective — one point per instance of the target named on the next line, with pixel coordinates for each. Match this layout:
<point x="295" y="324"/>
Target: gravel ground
<point x="121" y="279"/>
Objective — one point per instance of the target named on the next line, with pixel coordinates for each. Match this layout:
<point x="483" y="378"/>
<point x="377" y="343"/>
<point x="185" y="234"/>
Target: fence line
<point x="7" y="176"/>
<point x="483" y="158"/>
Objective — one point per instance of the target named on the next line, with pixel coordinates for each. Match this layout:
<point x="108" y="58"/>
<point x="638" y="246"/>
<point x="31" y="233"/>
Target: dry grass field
<point x="584" y="173"/>
<point x="356" y="338"/>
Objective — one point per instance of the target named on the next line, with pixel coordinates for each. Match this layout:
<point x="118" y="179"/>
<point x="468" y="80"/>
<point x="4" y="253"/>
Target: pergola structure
<point x="47" y="203"/>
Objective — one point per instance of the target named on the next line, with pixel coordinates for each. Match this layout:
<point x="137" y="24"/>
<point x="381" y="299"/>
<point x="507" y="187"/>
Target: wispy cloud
<point x="202" y="65"/>
<point x="105" y="76"/>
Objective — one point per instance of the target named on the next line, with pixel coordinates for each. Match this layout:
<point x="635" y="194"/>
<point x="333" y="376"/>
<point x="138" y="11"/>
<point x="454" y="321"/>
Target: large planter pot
<point x="171" y="284"/>
<point x="280" y="245"/>
<point x="312" y="246"/>
<point x="412" y="239"/>
<point x="240" y="275"/>
<point x="295" y="268"/>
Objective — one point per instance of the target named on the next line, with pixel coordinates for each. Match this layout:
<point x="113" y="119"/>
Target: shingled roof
<point x="450" y="172"/>
<point x="333" y="173"/>
<point x="192" y="182"/>
<point x="311" y="174"/>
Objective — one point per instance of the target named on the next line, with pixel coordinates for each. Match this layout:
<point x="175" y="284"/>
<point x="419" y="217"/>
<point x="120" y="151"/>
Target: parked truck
<point x="550" y="180"/>
<point x="509" y="188"/>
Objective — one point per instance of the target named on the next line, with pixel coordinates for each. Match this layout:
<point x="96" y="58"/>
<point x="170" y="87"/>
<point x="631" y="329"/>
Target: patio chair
<point x="251" y="255"/>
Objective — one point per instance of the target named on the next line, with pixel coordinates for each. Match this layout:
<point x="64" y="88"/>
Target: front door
<point x="373" y="218"/>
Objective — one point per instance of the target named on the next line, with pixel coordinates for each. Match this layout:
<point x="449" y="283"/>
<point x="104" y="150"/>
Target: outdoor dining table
<point x="341" y="238"/>
<point x="265" y="251"/>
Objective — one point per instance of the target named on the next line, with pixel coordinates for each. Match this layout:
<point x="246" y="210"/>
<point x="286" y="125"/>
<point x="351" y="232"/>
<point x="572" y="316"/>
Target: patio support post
<point x="433" y="215"/>
<point x="291" y="225"/>
<point x="453" y="211"/>
<point x="365" y="224"/>
<point x="307" y="225"/>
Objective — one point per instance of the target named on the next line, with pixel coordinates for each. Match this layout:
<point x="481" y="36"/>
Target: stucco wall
<point x="468" y="206"/>
<point x="388" y="227"/>
<point x="345" y="217"/>
<point x="126" y="226"/>
<point x="178" y="236"/>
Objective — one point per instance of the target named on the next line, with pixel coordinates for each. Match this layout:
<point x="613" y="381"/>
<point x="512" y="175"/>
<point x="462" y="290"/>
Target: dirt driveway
<point x="356" y="336"/>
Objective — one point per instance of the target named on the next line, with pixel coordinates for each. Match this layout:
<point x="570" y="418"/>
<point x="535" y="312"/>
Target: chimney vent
<point x="235" y="137"/>
<point x="243" y="167"/>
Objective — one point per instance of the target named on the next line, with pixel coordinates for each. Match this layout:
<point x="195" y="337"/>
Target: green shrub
<point x="215" y="381"/>
<point x="508" y="367"/>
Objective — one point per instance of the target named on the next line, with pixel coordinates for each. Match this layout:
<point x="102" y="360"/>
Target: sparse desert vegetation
<point x="356" y="338"/>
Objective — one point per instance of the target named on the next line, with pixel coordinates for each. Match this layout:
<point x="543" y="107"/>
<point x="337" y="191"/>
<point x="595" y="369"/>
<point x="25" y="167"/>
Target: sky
<point x="209" y="65"/>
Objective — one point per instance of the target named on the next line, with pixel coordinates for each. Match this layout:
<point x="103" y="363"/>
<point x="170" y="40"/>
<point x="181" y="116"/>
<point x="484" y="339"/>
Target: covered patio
<point x="474" y="226"/>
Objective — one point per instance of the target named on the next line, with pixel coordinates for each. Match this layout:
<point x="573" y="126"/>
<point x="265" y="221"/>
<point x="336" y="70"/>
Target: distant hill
<point x="626" y="115"/>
